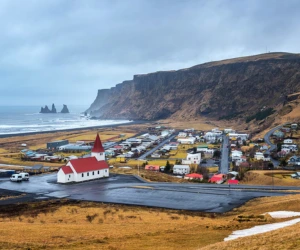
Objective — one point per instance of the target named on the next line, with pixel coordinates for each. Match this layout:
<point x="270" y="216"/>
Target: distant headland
<point x="46" y="110"/>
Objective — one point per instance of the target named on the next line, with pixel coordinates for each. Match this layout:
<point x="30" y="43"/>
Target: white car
<point x="25" y="176"/>
<point x="16" y="178"/>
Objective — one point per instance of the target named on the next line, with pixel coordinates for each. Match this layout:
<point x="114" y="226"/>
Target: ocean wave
<point x="56" y="125"/>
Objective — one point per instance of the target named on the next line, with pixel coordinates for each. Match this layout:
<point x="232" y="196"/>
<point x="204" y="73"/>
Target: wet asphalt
<point x="125" y="189"/>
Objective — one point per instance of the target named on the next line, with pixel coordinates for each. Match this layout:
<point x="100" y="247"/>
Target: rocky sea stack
<point x="46" y="110"/>
<point x="65" y="110"/>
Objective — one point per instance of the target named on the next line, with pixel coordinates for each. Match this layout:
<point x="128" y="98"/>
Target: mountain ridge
<point x="236" y="87"/>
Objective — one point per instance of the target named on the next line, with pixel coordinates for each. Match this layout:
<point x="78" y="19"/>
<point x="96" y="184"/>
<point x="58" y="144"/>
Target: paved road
<point x="272" y="146"/>
<point x="142" y="157"/>
<point x="225" y="154"/>
<point x="124" y="189"/>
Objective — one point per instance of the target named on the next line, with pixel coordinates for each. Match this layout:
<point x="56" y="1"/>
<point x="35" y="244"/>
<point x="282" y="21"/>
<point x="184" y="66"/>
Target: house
<point x="296" y="175"/>
<point x="294" y="160"/>
<point x="236" y="155"/>
<point x="260" y="156"/>
<point x="190" y="140"/>
<point x="233" y="182"/>
<point x="194" y="176"/>
<point x="242" y="137"/>
<point x="288" y="141"/>
<point x="294" y="126"/>
<point x="290" y="147"/>
<point x="129" y="154"/>
<point x="282" y="153"/>
<point x="181" y="169"/>
<point x="278" y="134"/>
<point x="264" y="147"/>
<point x="218" y="178"/>
<point x="192" y="158"/>
<point x="152" y="168"/>
<point x="182" y="134"/>
<point x="84" y="169"/>
<point x="56" y="144"/>
<point x="156" y="155"/>
<point x="229" y="130"/>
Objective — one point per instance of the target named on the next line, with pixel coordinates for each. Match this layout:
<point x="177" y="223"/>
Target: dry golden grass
<point x="281" y="178"/>
<point x="87" y="225"/>
<point x="96" y="226"/>
<point x="286" y="238"/>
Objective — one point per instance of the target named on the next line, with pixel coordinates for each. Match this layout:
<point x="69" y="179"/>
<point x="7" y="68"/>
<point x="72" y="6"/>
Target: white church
<point x="84" y="169"/>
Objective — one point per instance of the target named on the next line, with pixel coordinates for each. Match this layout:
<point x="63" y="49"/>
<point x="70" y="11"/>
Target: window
<point x="93" y="173"/>
<point x="105" y="170"/>
<point x="98" y="172"/>
<point x="88" y="174"/>
<point x="82" y="175"/>
<point x="69" y="176"/>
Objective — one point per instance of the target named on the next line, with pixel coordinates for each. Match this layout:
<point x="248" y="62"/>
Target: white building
<point x="291" y="147"/>
<point x="190" y="140"/>
<point x="260" y="156"/>
<point x="181" y="169"/>
<point x="85" y="169"/>
<point x="182" y="134"/>
<point x="288" y="141"/>
<point x="192" y="158"/>
<point x="243" y="137"/>
<point x="236" y="155"/>
<point x="229" y="130"/>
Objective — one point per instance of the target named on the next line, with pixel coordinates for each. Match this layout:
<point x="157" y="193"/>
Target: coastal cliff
<point x="225" y="89"/>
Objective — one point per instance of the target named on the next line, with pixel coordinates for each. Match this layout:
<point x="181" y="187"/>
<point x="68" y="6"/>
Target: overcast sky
<point x="63" y="51"/>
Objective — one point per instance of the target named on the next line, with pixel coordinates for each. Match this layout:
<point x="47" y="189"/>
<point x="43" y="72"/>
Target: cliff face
<point x="229" y="88"/>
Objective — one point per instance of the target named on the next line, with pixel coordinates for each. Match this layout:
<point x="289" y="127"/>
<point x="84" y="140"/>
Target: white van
<point x="25" y="176"/>
<point x="16" y="177"/>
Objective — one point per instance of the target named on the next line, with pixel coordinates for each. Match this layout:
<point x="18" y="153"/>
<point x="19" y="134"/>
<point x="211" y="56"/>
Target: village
<point x="188" y="154"/>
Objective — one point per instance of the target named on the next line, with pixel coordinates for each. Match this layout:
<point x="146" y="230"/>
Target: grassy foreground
<point x="85" y="225"/>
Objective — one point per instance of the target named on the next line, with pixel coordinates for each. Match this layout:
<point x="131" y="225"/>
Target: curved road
<point x="272" y="146"/>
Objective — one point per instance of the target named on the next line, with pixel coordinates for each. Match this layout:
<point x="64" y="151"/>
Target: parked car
<point x="16" y="178"/>
<point x="25" y="176"/>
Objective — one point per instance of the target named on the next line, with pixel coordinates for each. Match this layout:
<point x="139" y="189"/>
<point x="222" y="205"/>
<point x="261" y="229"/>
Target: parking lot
<point x="126" y="189"/>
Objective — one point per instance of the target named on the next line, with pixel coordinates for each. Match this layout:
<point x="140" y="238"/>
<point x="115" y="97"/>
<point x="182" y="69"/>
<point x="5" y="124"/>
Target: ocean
<point x="27" y="119"/>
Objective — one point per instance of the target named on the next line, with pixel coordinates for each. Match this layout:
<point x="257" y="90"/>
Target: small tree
<point x="167" y="167"/>
<point x="217" y="154"/>
<point x="204" y="171"/>
<point x="283" y="162"/>
<point x="279" y="145"/>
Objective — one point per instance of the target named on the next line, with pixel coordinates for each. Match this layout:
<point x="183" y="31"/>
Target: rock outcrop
<point x="65" y="110"/>
<point x="46" y="110"/>
<point x="223" y="90"/>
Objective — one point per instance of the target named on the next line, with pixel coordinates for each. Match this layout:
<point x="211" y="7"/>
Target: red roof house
<point x="193" y="176"/>
<point x="217" y="178"/>
<point x="233" y="182"/>
<point x="152" y="167"/>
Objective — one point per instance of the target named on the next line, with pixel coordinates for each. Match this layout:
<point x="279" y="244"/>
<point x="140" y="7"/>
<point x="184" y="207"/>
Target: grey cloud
<point x="67" y="49"/>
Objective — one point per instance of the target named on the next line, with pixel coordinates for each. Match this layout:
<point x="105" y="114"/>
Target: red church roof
<point x="98" y="148"/>
<point x="67" y="169"/>
<point x="82" y="165"/>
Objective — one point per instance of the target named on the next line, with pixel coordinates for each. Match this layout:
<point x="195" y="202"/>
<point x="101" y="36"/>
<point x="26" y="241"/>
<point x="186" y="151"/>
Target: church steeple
<point x="98" y="150"/>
